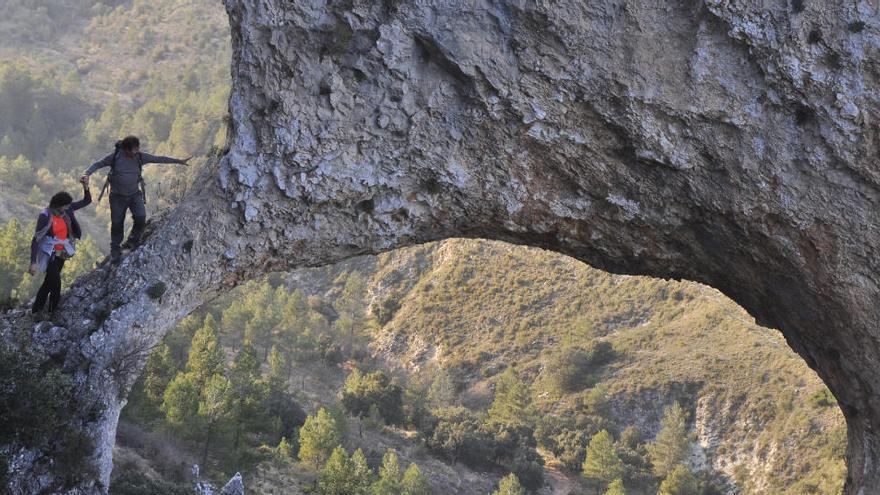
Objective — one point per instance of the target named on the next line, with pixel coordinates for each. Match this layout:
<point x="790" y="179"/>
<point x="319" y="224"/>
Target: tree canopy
<point x="318" y="437"/>
<point x="602" y="462"/>
<point x="672" y="445"/>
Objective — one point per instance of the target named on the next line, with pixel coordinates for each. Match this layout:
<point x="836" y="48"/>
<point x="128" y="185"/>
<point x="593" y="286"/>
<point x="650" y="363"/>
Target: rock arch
<point x="702" y="140"/>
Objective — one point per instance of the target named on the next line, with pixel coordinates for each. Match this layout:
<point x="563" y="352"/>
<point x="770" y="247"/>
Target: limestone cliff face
<point x="712" y="141"/>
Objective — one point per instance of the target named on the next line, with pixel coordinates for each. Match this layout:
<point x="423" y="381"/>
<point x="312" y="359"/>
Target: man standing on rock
<point x="127" y="191"/>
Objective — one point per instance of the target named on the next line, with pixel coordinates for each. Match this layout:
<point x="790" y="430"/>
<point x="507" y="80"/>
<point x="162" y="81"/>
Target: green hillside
<point x="486" y="341"/>
<point x="478" y="308"/>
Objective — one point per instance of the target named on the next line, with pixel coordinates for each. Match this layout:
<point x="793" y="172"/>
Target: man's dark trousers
<point x="119" y="204"/>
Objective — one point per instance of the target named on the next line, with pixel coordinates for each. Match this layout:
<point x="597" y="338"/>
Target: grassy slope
<point x="480" y="306"/>
<point x="476" y="307"/>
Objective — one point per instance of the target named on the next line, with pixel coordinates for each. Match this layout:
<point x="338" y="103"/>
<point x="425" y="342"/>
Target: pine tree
<point x="602" y="463"/>
<point x="180" y="401"/>
<point x="258" y="331"/>
<point x="616" y="488"/>
<point x="235" y="317"/>
<point x="510" y="485"/>
<point x="294" y="322"/>
<point x="159" y="373"/>
<point x="335" y="477"/>
<point x="14" y="247"/>
<point x="18" y="172"/>
<point x="248" y="392"/>
<point x="213" y="408"/>
<point x="284" y="450"/>
<point x="351" y="298"/>
<point x="672" y="446"/>
<point x="344" y="475"/>
<point x="278" y="374"/>
<point x="441" y="393"/>
<point x="352" y="308"/>
<point x="414" y="482"/>
<point x="680" y="481"/>
<point x="389" y="476"/>
<point x="278" y="405"/>
<point x="512" y="404"/>
<point x="361" y="476"/>
<point x="296" y="309"/>
<point x="179" y="339"/>
<point x="205" y="354"/>
<point x="317" y="437"/>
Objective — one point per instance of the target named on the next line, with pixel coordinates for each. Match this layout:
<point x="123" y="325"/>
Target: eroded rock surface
<point x="715" y="141"/>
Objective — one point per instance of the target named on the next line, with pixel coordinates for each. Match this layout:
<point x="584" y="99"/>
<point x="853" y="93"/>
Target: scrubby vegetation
<point x="34" y="394"/>
<point x="598" y="392"/>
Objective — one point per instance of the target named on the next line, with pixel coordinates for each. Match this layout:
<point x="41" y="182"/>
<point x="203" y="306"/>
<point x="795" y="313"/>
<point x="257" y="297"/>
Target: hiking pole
<point x="104" y="189"/>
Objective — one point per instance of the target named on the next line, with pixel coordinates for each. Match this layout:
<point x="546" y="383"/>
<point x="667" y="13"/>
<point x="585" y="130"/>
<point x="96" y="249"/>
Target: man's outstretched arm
<point x="148" y="158"/>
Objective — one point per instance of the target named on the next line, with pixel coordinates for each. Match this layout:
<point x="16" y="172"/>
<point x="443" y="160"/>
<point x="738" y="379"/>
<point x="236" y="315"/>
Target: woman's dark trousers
<point x="51" y="287"/>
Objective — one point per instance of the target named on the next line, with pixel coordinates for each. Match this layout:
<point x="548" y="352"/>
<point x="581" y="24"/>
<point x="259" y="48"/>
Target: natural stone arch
<point x="698" y="140"/>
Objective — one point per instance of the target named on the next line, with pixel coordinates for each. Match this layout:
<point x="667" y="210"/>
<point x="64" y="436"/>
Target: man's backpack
<point x="117" y="148"/>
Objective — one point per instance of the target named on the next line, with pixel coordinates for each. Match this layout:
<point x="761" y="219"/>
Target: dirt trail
<point x="559" y="482"/>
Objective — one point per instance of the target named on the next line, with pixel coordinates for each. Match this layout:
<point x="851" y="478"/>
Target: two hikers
<point x="57" y="229"/>
<point x="56" y="233"/>
<point x="127" y="191"/>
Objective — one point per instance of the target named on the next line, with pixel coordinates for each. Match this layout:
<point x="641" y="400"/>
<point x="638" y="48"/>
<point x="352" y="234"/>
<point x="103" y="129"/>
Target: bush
<point x="135" y="483"/>
<point x="573" y="368"/>
<point x="528" y="466"/>
<point x="680" y="481"/>
<point x="385" y="312"/>
<point x="362" y="392"/>
<point x="456" y="434"/>
<point x="16" y="172"/>
<point x="35" y="397"/>
<point x="461" y="436"/>
<point x="822" y="398"/>
<point x="569" y="370"/>
<point x="510" y="485"/>
<point x="330" y="353"/>
<point x="571" y="447"/>
<point x="157" y="290"/>
<point x="567" y="438"/>
<point x="282" y="408"/>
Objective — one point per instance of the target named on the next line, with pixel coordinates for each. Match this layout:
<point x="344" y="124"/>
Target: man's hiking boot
<point x="115" y="257"/>
<point x="131" y="244"/>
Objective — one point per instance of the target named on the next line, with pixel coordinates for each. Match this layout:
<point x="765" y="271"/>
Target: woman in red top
<point x="55" y="223"/>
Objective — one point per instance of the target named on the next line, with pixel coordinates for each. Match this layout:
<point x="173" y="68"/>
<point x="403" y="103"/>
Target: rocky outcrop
<point x="714" y="141"/>
<point x="235" y="486"/>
